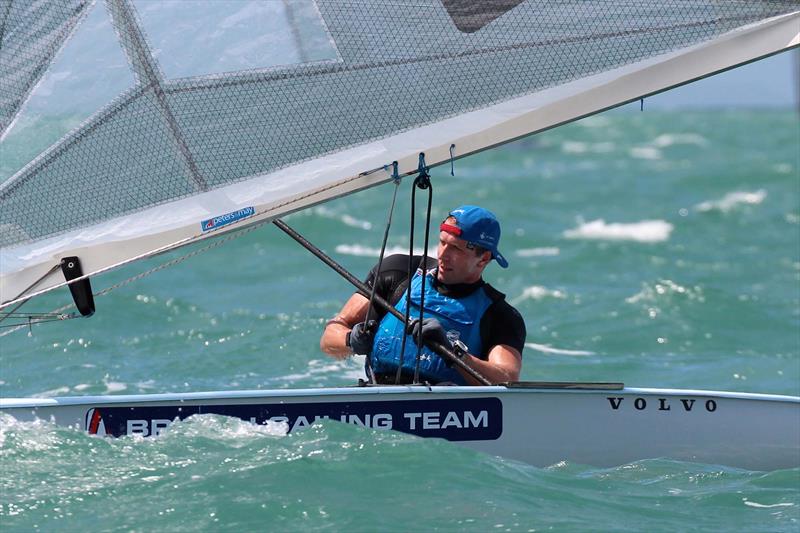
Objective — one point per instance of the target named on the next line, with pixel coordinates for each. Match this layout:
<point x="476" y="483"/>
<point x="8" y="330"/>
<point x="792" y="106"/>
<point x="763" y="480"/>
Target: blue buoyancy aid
<point x="457" y="315"/>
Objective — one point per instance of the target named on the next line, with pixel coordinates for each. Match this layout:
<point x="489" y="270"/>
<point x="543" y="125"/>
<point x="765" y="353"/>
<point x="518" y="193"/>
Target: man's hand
<point x="361" y="337"/>
<point x="429" y="330"/>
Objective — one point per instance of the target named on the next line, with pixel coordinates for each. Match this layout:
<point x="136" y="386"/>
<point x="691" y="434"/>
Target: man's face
<point x="457" y="262"/>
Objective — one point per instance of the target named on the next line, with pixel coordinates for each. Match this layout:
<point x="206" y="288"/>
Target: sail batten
<point x="146" y="169"/>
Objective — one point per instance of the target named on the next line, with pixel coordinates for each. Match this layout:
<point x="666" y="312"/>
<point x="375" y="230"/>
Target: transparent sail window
<point x="198" y="37"/>
<point x="89" y="73"/>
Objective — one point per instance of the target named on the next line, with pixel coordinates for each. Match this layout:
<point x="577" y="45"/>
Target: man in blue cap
<point x="461" y="310"/>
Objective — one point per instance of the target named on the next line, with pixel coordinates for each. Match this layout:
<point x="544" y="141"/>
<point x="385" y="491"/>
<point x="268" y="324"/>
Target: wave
<point x="643" y="231"/>
<point x="347" y="220"/>
<point x="537" y="292"/>
<point x="665" y="288"/>
<point x="368" y="251"/>
<point x="544" y="348"/>
<point x="351" y="368"/>
<point x="669" y="139"/>
<point x="732" y="200"/>
<point x="537" y="252"/>
<point x="579" y="147"/>
<point x="645" y="152"/>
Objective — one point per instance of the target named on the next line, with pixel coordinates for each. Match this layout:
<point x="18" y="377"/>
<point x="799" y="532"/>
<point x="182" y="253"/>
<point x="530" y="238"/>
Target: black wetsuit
<point x="500" y="324"/>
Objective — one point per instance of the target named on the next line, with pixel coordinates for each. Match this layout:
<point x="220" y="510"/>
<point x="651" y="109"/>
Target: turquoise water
<point x="658" y="249"/>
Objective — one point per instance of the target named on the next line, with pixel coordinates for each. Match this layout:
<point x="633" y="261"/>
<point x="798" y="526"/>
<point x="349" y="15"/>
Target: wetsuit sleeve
<point x="502" y="324"/>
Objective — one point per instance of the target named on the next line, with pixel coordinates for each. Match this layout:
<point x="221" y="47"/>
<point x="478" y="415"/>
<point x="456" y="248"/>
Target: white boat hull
<point x="540" y="426"/>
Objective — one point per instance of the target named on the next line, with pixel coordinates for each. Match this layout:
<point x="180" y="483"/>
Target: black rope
<point x="423" y="181"/>
<point x="396" y="178"/>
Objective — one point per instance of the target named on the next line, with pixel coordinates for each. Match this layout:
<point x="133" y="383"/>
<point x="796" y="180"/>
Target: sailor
<point x="461" y="311"/>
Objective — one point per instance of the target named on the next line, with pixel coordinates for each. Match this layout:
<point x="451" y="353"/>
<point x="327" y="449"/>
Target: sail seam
<point x="72" y="139"/>
<point x="140" y="54"/>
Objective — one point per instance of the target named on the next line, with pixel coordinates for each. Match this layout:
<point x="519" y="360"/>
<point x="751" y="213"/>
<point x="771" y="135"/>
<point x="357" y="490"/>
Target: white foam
<point x="225" y="428"/>
<point x="578" y="147"/>
<point x="732" y="200"/>
<point x="368" y="251"/>
<point x="645" y="152"/>
<point x="767" y="506"/>
<point x="345" y="219"/>
<point x="574" y="147"/>
<point x="665" y="287"/>
<point x="537" y="292"/>
<point x="544" y="348"/>
<point x="114" y="386"/>
<point x="53" y="392"/>
<point x="643" y="231"/>
<point x="669" y="139"/>
<point x="538" y="252"/>
<point x="350" y="368"/>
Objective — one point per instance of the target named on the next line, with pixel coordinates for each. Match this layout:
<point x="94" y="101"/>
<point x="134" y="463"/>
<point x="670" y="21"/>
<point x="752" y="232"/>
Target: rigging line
<point x="35" y="283"/>
<point x="28" y="323"/>
<point x="31" y="315"/>
<point x="409" y="275"/>
<point x="396" y="179"/>
<point x="422" y="169"/>
<point x="442" y="350"/>
<point x="423" y="181"/>
<point x="172" y="262"/>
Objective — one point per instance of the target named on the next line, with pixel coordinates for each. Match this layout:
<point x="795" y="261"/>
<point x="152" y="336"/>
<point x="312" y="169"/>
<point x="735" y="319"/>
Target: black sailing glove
<point x="429" y="330"/>
<point x="361" y="336"/>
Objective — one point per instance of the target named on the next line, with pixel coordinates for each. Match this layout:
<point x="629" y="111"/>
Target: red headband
<point x="449" y="228"/>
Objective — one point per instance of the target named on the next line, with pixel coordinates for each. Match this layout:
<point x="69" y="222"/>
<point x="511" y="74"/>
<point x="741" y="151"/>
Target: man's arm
<point x="333" y="341"/>
<point x="503" y="364"/>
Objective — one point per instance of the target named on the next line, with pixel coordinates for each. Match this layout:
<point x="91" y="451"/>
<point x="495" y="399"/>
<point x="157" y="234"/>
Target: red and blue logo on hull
<point x="228" y="218"/>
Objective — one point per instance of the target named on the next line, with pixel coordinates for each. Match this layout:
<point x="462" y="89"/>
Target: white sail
<point x="186" y="150"/>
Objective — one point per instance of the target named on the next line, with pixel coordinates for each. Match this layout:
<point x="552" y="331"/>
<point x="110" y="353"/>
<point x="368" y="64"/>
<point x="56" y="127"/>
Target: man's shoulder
<point x="500" y="305"/>
<point x="399" y="262"/>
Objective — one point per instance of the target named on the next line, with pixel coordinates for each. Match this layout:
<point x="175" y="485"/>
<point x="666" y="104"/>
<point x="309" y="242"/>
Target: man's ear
<point x="486" y="257"/>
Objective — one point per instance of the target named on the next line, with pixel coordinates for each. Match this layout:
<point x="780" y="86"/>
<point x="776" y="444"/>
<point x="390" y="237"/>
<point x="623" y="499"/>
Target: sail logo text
<point x="663" y="404"/>
<point x="228" y="218"/>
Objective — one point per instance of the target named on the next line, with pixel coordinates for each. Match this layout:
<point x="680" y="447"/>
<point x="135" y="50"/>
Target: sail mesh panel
<point x="403" y="64"/>
<point x="31" y="32"/>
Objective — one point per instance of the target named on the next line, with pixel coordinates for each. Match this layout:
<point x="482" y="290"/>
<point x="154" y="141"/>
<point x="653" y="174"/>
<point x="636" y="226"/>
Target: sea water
<point x="661" y="249"/>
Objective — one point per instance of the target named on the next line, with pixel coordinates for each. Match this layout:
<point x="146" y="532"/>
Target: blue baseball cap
<point x="478" y="226"/>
